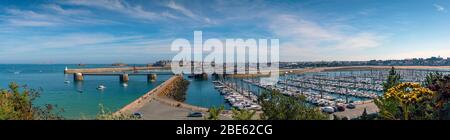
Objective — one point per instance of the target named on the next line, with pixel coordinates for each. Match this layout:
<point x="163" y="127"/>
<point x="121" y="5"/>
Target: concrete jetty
<point x="123" y="77"/>
<point x="159" y="91"/>
<point x="119" y="69"/>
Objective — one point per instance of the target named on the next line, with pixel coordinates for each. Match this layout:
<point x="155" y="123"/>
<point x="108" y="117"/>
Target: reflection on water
<point x="76" y="98"/>
<point x="82" y="98"/>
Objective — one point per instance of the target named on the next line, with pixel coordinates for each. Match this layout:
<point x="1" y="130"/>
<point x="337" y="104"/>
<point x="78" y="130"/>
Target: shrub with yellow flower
<point x="407" y="94"/>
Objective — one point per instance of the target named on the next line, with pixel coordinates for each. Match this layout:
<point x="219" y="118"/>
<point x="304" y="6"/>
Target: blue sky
<point x="141" y="31"/>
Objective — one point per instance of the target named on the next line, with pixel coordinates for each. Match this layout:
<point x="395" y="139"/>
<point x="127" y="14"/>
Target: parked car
<point x="195" y="114"/>
<point x="351" y="106"/>
<point x="328" y="109"/>
<point x="340" y="107"/>
<point x="137" y="115"/>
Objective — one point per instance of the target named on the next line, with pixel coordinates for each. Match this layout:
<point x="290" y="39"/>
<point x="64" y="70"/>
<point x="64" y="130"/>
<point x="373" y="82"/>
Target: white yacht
<point x="101" y="87"/>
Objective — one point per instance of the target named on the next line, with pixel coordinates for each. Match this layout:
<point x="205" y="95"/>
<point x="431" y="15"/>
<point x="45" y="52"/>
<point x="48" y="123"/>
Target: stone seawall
<point x="160" y="90"/>
<point x="182" y="105"/>
<point x="121" y="69"/>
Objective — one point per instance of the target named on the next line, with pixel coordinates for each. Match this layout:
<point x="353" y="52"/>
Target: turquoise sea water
<point x="50" y="79"/>
<point x="202" y="93"/>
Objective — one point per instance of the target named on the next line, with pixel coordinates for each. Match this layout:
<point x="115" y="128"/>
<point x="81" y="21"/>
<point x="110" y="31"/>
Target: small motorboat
<point x="125" y="85"/>
<point x="101" y="87"/>
<point x="67" y="82"/>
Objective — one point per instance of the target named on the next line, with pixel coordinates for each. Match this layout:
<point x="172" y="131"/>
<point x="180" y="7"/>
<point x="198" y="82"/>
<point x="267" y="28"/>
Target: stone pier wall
<point x="158" y="91"/>
<point x="122" y="69"/>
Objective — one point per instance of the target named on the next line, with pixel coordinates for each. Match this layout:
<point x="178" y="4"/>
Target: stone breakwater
<point x="120" y="69"/>
<point x="160" y="93"/>
<point x="181" y="105"/>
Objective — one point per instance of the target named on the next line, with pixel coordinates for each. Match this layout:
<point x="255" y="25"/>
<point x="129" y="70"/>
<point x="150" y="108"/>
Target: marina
<point x="238" y="98"/>
<point x="331" y="91"/>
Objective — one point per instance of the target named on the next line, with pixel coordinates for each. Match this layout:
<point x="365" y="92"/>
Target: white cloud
<point x="17" y="17"/>
<point x="183" y="10"/>
<point x="360" y="41"/>
<point x="46" y="17"/>
<point x="439" y="8"/>
<point x="85" y="43"/>
<point x="295" y="28"/>
<point x="60" y="10"/>
<point x="30" y="23"/>
<point x="82" y="48"/>
<point x="136" y="11"/>
<point x="290" y="26"/>
<point x="306" y="40"/>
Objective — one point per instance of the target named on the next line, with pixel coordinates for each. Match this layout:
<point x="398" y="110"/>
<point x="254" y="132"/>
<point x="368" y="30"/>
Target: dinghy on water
<point x="101" y="87"/>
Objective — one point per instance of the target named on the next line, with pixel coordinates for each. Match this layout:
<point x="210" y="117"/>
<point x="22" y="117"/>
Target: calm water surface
<point x="83" y="99"/>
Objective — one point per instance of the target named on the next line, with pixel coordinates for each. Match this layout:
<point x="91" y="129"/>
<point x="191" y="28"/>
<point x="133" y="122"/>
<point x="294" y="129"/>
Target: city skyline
<point x="109" y="31"/>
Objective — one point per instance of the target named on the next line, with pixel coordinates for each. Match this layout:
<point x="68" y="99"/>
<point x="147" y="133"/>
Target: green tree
<point x="214" y="113"/>
<point x="433" y="78"/>
<point x="276" y="106"/>
<point x="106" y="114"/>
<point x="440" y="84"/>
<point x="389" y="109"/>
<point x="393" y="79"/>
<point x="242" y="114"/>
<point x="17" y="104"/>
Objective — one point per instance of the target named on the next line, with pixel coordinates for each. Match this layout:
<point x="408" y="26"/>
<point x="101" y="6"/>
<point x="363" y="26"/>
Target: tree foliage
<point x="393" y="79"/>
<point x="277" y="106"/>
<point x="242" y="114"/>
<point x="214" y="113"/>
<point x="17" y="104"/>
<point x="440" y="84"/>
<point x="389" y="109"/>
<point x="106" y="114"/>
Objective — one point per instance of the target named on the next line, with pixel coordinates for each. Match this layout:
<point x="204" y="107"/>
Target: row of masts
<point x="213" y="64"/>
<point x="360" y="85"/>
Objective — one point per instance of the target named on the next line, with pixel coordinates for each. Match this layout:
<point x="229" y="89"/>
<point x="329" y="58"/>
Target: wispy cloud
<point x="439" y="8"/>
<point x="60" y="10"/>
<point x="296" y="28"/>
<point x="49" y="15"/>
<point x="183" y="10"/>
<point x="18" y="17"/>
<point x="314" y="41"/>
<point x="79" y="46"/>
<point x="123" y="7"/>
